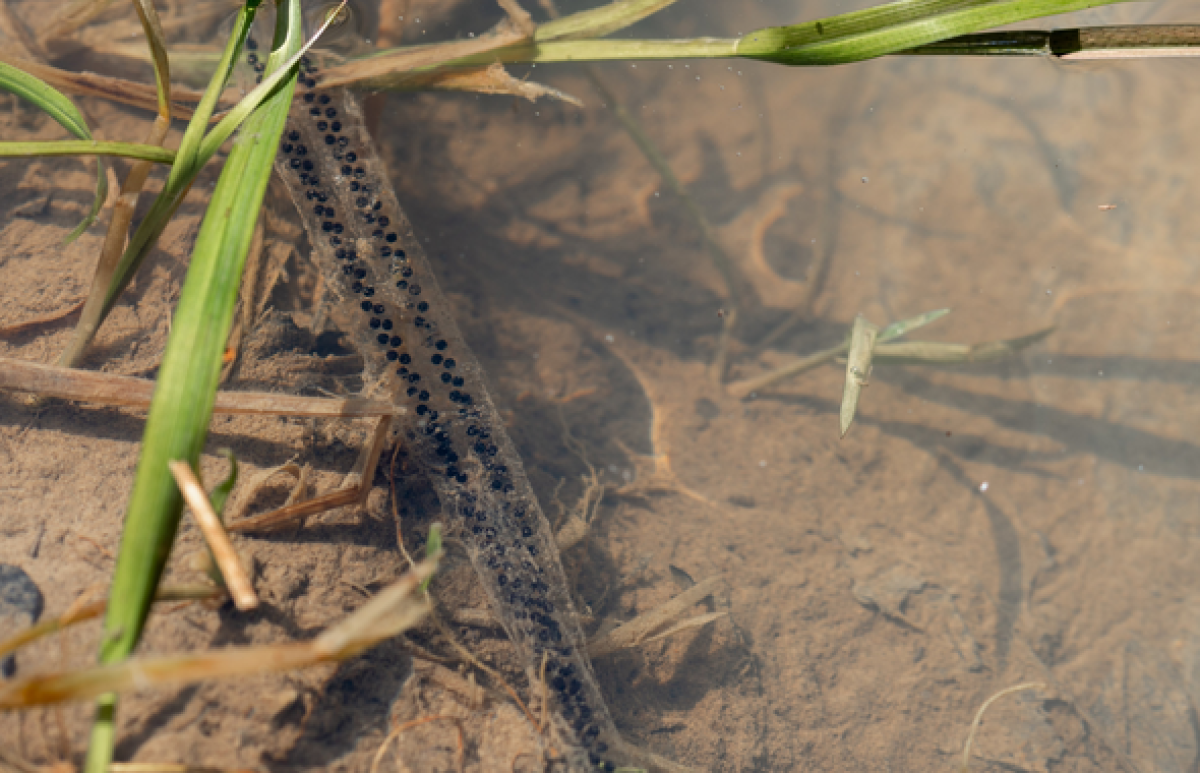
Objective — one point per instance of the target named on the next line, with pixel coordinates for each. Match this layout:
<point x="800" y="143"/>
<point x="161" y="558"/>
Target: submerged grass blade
<point x="62" y="110"/>
<point x="166" y="593"/>
<point x="750" y="386"/>
<point x="858" y="369"/>
<point x="905" y="326"/>
<point x="936" y="353"/>
<point x="88" y="148"/>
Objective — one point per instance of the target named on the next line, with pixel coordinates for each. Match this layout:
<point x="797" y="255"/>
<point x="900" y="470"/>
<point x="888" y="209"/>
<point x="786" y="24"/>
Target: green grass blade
<point x="87" y="148"/>
<point x="47" y="98"/>
<point x="907" y="26"/>
<point x="598" y="22"/>
<point x="904" y="326"/>
<point x="55" y="104"/>
<point x="187" y="382"/>
<point x="795" y="46"/>
<point x="158" y="54"/>
<point x="270" y="85"/>
<point x="220" y="495"/>
<point x="1008" y="43"/>
<point x="197" y="148"/>
<point x="922" y="353"/>
<point x="868" y="20"/>
<point x="183" y="172"/>
<point x="433" y="550"/>
<point x="183" y="398"/>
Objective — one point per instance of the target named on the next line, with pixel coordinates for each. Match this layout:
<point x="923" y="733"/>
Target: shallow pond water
<point x="980" y="526"/>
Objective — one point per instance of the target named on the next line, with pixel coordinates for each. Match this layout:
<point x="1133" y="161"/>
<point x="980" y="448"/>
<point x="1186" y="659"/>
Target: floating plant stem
<point x="893" y="28"/>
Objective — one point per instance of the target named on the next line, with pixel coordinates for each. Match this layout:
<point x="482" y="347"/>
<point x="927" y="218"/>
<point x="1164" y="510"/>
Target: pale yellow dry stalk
<point x="966" y="760"/>
<point x="89" y="610"/>
<point x="241" y="590"/>
<point x="394" y="610"/>
<point x="111" y="389"/>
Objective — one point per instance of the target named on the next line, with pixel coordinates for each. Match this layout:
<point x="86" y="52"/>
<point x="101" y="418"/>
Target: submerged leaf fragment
<point x="905" y="326"/>
<point x="858" y="368"/>
<point x="937" y="353"/>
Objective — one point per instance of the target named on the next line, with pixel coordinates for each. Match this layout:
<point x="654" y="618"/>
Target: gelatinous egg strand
<point x="408" y="338"/>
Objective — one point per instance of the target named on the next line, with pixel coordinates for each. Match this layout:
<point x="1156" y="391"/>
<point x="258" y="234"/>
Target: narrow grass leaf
<point x="750" y="386"/>
<point x="599" y="22"/>
<point x="896" y="28"/>
<point x="867" y="20"/>
<point x="158" y="54"/>
<point x="184" y="397"/>
<point x="936" y="353"/>
<point x="433" y="550"/>
<point x="55" y="104"/>
<point x="795" y="45"/>
<point x="220" y="495"/>
<point x="87" y="148"/>
<point x="197" y="147"/>
<point x="904" y="326"/>
<point x="183" y="172"/>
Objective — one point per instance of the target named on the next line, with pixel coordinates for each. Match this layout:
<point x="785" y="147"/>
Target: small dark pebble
<point x="20" y="607"/>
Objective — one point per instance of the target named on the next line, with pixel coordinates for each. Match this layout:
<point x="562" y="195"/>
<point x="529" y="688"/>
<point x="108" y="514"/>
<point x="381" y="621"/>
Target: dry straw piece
<point x="241" y="590"/>
<point x="389" y="613"/>
<point x="966" y="760"/>
<point x="110" y="389"/>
